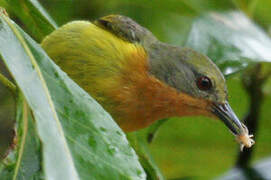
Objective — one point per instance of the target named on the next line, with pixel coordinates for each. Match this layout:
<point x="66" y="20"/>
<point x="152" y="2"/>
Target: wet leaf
<point x="79" y="139"/>
<point x="230" y="39"/>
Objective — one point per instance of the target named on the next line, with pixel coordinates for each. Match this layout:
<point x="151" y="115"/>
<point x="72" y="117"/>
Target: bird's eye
<point x="204" y="83"/>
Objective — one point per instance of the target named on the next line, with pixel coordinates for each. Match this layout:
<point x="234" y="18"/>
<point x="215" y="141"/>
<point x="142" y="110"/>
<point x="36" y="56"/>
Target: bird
<point x="139" y="79"/>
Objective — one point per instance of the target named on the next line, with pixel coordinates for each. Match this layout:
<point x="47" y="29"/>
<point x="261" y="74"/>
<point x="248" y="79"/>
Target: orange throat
<point x="152" y="100"/>
<point x="141" y="99"/>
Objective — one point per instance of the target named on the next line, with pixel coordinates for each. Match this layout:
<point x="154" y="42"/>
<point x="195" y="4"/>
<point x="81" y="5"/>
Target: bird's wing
<point x="127" y="29"/>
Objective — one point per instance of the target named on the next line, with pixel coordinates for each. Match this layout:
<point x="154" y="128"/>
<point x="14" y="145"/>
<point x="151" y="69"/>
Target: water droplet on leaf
<point x="119" y="133"/>
<point x="103" y="129"/>
<point x="92" y="142"/>
<point x="112" y="150"/>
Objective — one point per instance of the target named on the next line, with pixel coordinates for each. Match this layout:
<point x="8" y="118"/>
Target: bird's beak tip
<point x="227" y="115"/>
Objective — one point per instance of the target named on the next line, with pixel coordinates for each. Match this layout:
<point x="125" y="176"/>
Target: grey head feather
<point x="127" y="29"/>
<point x="176" y="66"/>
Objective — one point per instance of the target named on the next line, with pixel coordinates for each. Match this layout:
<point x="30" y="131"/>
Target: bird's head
<point x="197" y="79"/>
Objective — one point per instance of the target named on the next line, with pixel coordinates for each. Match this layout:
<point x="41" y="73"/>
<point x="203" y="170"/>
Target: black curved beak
<point x="226" y="114"/>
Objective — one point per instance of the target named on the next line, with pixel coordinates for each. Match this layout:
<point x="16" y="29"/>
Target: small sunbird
<point x="139" y="79"/>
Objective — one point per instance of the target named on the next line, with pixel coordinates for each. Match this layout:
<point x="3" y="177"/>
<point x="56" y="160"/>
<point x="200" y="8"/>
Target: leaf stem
<point x="23" y="139"/>
<point x="7" y="83"/>
<point x="154" y="129"/>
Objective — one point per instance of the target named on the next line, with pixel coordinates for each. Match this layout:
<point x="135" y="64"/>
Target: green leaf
<point x="230" y="39"/>
<point x="28" y="164"/>
<point x="25" y="161"/>
<point x="7" y="117"/>
<point x="79" y="139"/>
<point x="139" y="142"/>
<point x="32" y="15"/>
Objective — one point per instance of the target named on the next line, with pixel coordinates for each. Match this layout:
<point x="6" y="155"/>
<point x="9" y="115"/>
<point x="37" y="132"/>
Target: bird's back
<point x="90" y="55"/>
<point x="106" y="66"/>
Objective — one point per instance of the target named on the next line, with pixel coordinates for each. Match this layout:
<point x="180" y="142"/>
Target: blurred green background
<point x="185" y="147"/>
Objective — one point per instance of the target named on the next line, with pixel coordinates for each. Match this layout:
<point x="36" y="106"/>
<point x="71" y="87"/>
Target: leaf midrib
<point x="44" y="85"/>
<point x="85" y="127"/>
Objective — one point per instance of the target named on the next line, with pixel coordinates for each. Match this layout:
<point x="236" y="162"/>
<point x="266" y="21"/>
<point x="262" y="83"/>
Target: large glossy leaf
<point x="79" y="139"/>
<point x="32" y="15"/>
<point x="230" y="39"/>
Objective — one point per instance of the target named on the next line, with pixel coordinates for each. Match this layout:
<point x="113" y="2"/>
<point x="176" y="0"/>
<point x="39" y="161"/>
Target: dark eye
<point x="204" y="83"/>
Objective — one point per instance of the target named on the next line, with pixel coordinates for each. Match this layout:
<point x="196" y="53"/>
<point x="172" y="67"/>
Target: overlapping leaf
<point x="24" y="162"/>
<point x="230" y="39"/>
<point x="32" y="15"/>
<point x="79" y="139"/>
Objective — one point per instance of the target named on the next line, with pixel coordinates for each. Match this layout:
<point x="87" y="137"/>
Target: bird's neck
<point x="144" y="99"/>
<point x="153" y="100"/>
